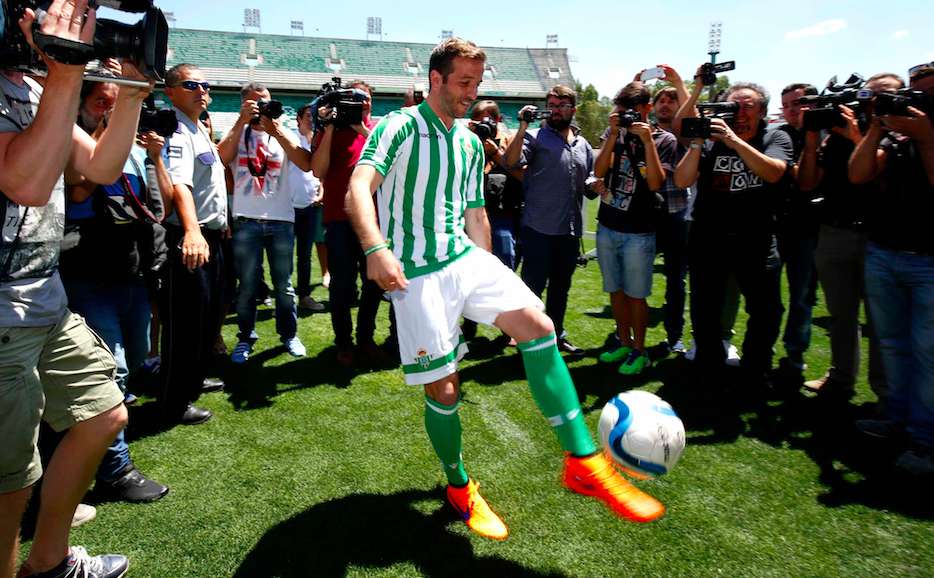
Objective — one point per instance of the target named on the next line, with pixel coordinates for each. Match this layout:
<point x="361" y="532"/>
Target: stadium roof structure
<point x="229" y="59"/>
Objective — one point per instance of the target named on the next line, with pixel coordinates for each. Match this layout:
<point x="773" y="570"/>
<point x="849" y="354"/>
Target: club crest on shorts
<point x="422" y="358"/>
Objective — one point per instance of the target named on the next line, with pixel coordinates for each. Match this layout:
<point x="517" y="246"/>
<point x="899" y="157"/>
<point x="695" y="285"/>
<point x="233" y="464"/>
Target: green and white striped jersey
<point x="430" y="176"/>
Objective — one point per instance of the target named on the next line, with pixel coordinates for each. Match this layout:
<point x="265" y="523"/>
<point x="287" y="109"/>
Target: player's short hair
<point x="563" y="93"/>
<point x="443" y="55"/>
<point x="669" y="91"/>
<point x="173" y="76"/>
<point x="632" y="95"/>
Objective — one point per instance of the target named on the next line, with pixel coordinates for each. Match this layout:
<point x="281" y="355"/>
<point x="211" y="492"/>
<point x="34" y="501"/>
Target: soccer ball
<point x="642" y="433"/>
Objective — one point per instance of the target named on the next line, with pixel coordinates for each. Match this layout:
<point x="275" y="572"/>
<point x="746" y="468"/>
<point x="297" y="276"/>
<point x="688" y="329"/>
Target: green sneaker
<point x="635" y="363"/>
<point x="616" y="354"/>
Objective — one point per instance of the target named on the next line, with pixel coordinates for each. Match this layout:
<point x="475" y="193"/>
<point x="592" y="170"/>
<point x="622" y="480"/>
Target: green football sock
<point x="443" y="425"/>
<point x="555" y="395"/>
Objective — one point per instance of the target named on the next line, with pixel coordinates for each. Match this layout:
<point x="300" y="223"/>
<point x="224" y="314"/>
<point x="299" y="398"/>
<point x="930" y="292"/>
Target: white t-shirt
<point x="303" y="185"/>
<point x="264" y="192"/>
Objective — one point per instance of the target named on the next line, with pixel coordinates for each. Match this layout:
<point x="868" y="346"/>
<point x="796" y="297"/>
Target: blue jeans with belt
<point x="250" y="237"/>
<point x="120" y="313"/>
<point x="900" y="292"/>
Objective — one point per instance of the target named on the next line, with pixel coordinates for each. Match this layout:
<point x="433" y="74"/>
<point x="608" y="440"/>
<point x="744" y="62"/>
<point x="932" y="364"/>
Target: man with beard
<point x="557" y="161"/>
<point x="733" y="229"/>
<point x="431" y="253"/>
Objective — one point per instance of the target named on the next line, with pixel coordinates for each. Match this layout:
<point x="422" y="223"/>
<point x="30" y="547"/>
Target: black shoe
<point x="194" y="415"/>
<point x="212" y="384"/>
<point x="133" y="487"/>
<point x="78" y="564"/>
<point x="881" y="429"/>
<point x="572" y="350"/>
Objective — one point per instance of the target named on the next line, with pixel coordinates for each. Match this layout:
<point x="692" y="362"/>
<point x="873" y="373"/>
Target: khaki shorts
<point x="63" y="374"/>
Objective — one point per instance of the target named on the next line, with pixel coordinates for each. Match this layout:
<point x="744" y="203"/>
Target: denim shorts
<point x="626" y="261"/>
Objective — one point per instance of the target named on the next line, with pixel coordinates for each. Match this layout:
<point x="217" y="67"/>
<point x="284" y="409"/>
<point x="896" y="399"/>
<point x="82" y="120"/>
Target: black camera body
<point x="270" y="108"/>
<point x="485" y="129"/>
<point x="710" y="70"/>
<point x="627" y="117"/>
<point x="161" y="121"/>
<point x="346" y="102"/>
<point x="897" y="103"/>
<point x="533" y="115"/>
<point x="700" y="127"/>
<point x="824" y="112"/>
<point x="145" y="43"/>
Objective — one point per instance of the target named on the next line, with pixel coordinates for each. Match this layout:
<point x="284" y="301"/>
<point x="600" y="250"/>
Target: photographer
<point x="841" y="248"/>
<point x="52" y="366"/>
<point x="797" y="239"/>
<point x="308" y="202"/>
<point x="898" y="152"/>
<point x="638" y="160"/>
<point x="192" y="294"/>
<point x="557" y="161"/>
<point x="733" y="229"/>
<point x="337" y="150"/>
<point x="257" y="149"/>
<point x="111" y="253"/>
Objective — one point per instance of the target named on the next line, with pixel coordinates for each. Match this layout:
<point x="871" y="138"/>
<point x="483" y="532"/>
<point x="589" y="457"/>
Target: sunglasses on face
<point x="193" y="85"/>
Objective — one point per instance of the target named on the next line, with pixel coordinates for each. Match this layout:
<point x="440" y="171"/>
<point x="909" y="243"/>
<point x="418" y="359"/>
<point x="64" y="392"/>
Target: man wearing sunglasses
<point x="193" y="283"/>
<point x="557" y="160"/>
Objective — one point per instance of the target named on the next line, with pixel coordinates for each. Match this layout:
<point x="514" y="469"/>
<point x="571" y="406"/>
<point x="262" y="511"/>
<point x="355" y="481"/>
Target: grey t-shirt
<point x="31" y="291"/>
<point x="193" y="161"/>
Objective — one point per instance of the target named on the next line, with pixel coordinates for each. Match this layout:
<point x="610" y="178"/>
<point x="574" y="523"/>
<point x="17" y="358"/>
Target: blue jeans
<point x="672" y="240"/>
<point x="308" y="231"/>
<point x="797" y="254"/>
<point x="503" y="232"/>
<point x="250" y="237"/>
<point x="120" y="313"/>
<point x="900" y="291"/>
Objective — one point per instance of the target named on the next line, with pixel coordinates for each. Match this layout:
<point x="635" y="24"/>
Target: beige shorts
<point x="63" y="374"/>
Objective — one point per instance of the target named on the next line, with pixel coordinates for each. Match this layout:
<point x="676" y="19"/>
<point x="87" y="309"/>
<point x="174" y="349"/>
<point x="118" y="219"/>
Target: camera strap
<point x="139" y="207"/>
<point x="62" y="50"/>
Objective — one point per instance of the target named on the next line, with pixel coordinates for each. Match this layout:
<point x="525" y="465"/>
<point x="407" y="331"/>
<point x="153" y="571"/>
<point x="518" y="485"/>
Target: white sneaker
<point x="84" y="513"/>
<point x="732" y="354"/>
<point x="295" y="347"/>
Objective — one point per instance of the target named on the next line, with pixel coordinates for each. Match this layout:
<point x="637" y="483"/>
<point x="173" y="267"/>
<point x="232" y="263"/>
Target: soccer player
<point x="431" y="252"/>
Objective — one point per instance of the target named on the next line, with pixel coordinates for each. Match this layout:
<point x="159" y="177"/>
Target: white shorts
<point x="428" y="311"/>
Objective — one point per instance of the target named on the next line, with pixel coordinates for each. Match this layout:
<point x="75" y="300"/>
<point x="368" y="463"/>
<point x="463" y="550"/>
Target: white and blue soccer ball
<point x="642" y="433"/>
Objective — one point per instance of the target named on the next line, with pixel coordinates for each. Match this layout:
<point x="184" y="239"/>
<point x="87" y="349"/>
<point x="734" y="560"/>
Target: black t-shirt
<point x="899" y="217"/>
<point x="795" y="209"/>
<point x="630" y="206"/>
<point x="502" y="193"/>
<point x="730" y="196"/>
<point x="844" y="204"/>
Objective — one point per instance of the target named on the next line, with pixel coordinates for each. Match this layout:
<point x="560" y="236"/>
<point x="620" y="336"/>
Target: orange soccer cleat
<point x="595" y="476"/>
<point x="475" y="512"/>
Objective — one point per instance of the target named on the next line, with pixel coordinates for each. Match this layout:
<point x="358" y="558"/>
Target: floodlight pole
<point x="713" y="49"/>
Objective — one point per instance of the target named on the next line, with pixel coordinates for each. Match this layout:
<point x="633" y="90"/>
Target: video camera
<point x="709" y="71"/>
<point x="897" y="103"/>
<point x="485" y="128"/>
<point x="346" y="102"/>
<point x="700" y="127"/>
<point x="533" y="115"/>
<point x="161" y="121"/>
<point x="824" y="113"/>
<point x="145" y="43"/>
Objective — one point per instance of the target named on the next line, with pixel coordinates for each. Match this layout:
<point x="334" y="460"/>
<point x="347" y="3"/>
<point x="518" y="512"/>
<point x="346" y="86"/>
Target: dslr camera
<point x="824" y="113"/>
<point x="485" y="128"/>
<point x="346" y="102"/>
<point x="269" y="108"/>
<point x="145" y="43"/>
<point x="709" y="71"/>
<point x="627" y="117"/>
<point x="897" y="103"/>
<point x="700" y="127"/>
<point x="533" y="115"/>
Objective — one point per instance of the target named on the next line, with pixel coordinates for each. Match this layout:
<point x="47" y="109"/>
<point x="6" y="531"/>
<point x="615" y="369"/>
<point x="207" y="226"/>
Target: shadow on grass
<point x="372" y="531"/>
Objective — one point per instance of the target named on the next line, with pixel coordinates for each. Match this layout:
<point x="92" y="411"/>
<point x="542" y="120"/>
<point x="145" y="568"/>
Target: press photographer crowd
<point x="128" y="238"/>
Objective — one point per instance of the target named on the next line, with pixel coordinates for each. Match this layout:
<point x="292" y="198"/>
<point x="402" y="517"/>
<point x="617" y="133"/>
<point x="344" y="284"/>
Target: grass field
<point x="308" y="469"/>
